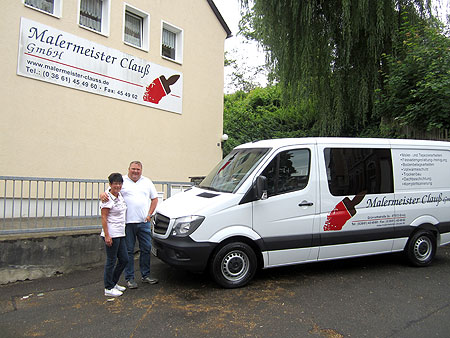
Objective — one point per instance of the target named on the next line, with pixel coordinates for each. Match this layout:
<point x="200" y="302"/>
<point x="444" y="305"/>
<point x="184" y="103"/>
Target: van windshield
<point x="232" y="171"/>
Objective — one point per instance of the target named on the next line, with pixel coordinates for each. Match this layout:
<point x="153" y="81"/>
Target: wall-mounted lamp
<point x="222" y="140"/>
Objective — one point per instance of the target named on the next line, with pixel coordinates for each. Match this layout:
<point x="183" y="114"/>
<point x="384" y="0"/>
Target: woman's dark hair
<point x="115" y="177"/>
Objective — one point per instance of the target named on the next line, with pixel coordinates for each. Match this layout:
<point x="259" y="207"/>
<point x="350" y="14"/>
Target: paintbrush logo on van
<point x="342" y="212"/>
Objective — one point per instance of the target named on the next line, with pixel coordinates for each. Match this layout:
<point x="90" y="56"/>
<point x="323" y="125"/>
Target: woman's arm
<point x="105" y="213"/>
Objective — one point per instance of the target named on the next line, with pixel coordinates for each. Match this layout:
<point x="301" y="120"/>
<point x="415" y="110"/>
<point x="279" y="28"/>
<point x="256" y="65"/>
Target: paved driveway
<point x="367" y="297"/>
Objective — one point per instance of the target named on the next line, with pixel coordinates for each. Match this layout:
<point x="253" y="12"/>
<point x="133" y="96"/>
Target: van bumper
<point x="183" y="252"/>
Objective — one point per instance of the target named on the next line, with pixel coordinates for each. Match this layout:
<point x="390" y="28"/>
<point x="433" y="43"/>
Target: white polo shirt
<point x="138" y="196"/>
<point x="116" y="216"/>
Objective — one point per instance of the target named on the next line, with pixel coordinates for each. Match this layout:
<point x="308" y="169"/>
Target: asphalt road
<point x="379" y="296"/>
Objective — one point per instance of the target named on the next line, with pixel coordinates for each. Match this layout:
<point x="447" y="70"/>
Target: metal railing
<point x="36" y="204"/>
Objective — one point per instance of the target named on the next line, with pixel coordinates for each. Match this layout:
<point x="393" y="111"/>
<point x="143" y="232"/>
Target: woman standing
<point x="113" y="232"/>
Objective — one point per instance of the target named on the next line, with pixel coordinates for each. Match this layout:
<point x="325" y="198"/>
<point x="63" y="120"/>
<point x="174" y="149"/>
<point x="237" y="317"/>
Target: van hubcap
<point x="235" y="265"/>
<point x="422" y="248"/>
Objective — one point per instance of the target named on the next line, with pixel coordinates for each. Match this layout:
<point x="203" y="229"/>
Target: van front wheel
<point x="233" y="265"/>
<point x="421" y="248"/>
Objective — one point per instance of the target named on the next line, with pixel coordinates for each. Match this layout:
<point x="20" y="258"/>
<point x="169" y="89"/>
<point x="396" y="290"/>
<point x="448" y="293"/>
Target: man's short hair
<point x="135" y="162"/>
<point x="115" y="178"/>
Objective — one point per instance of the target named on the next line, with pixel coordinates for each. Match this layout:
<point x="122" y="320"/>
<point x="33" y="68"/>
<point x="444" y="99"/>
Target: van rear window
<point x="352" y="170"/>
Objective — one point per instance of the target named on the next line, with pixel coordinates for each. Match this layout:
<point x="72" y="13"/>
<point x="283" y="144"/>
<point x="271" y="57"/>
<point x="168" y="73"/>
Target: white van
<point x="289" y="201"/>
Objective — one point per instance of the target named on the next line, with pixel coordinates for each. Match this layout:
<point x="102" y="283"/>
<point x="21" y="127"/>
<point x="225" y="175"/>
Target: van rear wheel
<point x="233" y="265"/>
<point x="421" y="248"/>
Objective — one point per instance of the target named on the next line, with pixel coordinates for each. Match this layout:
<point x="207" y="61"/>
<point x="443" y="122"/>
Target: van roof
<point x="284" y="142"/>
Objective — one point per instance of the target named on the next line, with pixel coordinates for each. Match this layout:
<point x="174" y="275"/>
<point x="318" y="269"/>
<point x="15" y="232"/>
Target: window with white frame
<point x="172" y="42"/>
<point x="52" y="7"/>
<point x="94" y="15"/>
<point x="136" y="27"/>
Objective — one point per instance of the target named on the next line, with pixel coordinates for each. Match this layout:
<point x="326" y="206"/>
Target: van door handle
<point x="306" y="204"/>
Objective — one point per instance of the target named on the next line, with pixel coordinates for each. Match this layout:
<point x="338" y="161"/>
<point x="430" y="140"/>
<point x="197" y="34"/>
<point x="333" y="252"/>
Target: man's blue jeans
<point x="117" y="252"/>
<point x="142" y="232"/>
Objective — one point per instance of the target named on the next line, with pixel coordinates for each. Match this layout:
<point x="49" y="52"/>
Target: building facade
<point x="91" y="85"/>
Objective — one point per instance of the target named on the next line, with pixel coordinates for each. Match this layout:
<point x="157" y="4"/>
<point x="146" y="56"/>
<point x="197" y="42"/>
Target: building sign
<point x="54" y="56"/>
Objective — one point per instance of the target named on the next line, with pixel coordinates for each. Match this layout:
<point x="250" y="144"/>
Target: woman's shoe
<point x="113" y="292"/>
<point x="120" y="288"/>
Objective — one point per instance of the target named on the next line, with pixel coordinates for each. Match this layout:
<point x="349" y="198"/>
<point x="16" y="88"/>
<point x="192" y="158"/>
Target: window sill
<point x="144" y="49"/>
<point x="58" y="16"/>
<point x="172" y="60"/>
<point x="94" y="31"/>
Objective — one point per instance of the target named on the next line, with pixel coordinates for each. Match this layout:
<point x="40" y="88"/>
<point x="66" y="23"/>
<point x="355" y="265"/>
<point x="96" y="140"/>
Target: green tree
<point x="258" y="115"/>
<point x="327" y="55"/>
<point x="416" y="88"/>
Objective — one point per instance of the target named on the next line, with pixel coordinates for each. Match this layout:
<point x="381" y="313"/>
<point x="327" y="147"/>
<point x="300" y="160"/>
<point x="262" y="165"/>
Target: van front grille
<point x="161" y="224"/>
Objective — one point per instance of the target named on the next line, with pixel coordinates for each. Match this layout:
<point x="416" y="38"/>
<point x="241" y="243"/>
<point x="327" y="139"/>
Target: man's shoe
<point x="132" y="284"/>
<point x="113" y="292"/>
<point x="120" y="288"/>
<point x="149" y="280"/>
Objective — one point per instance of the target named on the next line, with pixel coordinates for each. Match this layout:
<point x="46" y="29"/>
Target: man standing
<point x="141" y="198"/>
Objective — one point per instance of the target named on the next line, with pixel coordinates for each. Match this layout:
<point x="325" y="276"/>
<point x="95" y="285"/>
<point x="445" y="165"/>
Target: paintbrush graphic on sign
<point x="159" y="88"/>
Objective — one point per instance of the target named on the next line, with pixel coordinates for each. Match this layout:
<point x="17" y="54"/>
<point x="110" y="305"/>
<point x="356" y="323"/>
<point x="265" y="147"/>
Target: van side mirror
<point x="261" y="188"/>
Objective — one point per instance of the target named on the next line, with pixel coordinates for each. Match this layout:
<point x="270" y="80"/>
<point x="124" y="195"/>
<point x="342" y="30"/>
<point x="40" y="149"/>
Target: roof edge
<point x="220" y="18"/>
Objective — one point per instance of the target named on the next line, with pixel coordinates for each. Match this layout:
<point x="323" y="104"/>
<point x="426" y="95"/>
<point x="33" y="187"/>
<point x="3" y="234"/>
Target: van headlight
<point x="184" y="226"/>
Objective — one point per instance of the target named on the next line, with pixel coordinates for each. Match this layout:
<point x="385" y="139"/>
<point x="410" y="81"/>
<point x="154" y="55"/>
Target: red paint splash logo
<point x="342" y="212"/>
<point x="159" y="88"/>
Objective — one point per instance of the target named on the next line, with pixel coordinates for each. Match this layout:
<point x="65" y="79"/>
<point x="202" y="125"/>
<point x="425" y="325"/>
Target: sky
<point x="237" y="46"/>
<point x="249" y="53"/>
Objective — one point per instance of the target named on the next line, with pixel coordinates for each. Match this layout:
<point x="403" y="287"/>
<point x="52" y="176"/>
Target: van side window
<point x="352" y="170"/>
<point x="288" y="171"/>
